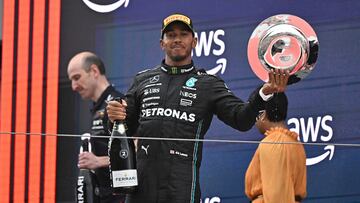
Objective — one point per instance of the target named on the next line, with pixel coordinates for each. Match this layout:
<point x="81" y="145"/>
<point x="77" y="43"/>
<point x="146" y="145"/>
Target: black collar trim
<point x="100" y="101"/>
<point x="175" y="70"/>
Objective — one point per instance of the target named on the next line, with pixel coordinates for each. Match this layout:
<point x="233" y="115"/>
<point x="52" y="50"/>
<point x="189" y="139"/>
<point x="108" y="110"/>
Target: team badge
<point x="191" y="82"/>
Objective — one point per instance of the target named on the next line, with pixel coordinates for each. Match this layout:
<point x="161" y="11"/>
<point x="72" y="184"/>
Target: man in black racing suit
<point x="175" y="100"/>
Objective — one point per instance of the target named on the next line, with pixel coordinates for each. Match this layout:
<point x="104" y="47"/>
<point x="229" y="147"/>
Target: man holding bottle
<point x="176" y="100"/>
<point x="87" y="74"/>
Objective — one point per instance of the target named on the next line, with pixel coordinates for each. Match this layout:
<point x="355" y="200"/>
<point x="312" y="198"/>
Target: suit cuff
<point x="265" y="97"/>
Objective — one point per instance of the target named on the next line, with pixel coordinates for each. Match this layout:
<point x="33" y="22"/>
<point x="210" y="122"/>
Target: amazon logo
<point x="315" y="130"/>
<point x="211" y="43"/>
<point x="106" y="8"/>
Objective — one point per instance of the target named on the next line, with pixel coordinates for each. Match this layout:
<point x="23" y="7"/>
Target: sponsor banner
<point x="323" y="108"/>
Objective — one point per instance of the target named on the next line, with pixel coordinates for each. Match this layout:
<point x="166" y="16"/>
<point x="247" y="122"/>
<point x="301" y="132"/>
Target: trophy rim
<point x="262" y="29"/>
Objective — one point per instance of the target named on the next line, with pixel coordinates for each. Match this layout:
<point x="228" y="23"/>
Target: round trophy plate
<point x="283" y="42"/>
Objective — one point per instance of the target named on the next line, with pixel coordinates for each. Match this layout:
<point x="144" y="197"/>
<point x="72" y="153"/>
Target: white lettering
<point x="81" y="180"/>
<point x="150" y="98"/>
<point x="327" y="128"/>
<point x="188" y="94"/>
<point x="184" y="116"/>
<point x="153" y="111"/>
<point x="220" y="43"/>
<point x="168" y="113"/>
<point x="191" y="117"/>
<point x="155" y="84"/>
<point x="204" y="43"/>
<point x="160" y="112"/>
<point x="149" y="104"/>
<point x="294" y="121"/>
<point x="211" y="200"/>
<point x="80" y="189"/>
<point x="309" y="129"/>
<point x="97" y="122"/>
<point x="176" y="114"/>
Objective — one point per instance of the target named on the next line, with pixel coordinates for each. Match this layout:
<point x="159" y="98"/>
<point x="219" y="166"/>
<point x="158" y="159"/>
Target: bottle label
<point x="120" y="128"/>
<point x="124" y="178"/>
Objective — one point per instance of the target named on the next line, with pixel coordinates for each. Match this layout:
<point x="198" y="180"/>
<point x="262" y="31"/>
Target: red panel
<point x="52" y="100"/>
<point x="36" y="100"/>
<point x="21" y="100"/>
<point x="6" y="98"/>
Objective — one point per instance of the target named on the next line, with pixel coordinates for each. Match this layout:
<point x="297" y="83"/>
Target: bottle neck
<point x="119" y="127"/>
<point x="85" y="145"/>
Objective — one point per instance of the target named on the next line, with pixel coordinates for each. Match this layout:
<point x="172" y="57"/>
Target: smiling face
<point x="177" y="43"/>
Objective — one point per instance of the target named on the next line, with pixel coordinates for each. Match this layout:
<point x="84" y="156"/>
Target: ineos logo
<point x="106" y="8"/>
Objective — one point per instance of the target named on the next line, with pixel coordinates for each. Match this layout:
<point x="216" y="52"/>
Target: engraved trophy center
<point x="283" y="42"/>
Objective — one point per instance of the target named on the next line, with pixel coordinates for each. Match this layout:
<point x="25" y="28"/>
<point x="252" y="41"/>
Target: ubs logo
<point x="106" y="8"/>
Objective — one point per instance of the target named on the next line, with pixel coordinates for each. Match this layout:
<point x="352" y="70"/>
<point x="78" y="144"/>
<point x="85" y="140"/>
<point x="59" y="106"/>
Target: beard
<point x="178" y="58"/>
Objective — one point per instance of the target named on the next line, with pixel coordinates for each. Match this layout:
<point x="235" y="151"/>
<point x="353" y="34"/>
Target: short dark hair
<point x="276" y="108"/>
<point x="91" y="59"/>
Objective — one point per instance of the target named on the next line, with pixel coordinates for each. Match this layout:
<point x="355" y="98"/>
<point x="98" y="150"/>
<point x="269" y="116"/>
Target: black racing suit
<point x="100" y="145"/>
<point x="178" y="102"/>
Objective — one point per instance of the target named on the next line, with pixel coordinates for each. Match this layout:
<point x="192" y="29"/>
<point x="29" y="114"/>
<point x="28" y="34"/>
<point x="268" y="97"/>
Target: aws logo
<point x="315" y="130"/>
<point x="106" y="8"/>
<point x="211" y="43"/>
<point x="211" y="200"/>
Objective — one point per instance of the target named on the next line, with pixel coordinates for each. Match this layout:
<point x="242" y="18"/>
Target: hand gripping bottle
<point x="123" y="174"/>
<point x="86" y="180"/>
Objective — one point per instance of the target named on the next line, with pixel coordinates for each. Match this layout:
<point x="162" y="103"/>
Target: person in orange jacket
<point x="277" y="171"/>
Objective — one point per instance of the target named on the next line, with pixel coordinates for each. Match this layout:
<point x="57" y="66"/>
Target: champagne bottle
<point x="123" y="174"/>
<point x="86" y="181"/>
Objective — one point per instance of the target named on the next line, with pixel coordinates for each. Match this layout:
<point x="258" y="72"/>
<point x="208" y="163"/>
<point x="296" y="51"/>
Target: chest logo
<point x="155" y="79"/>
<point x="191" y="82"/>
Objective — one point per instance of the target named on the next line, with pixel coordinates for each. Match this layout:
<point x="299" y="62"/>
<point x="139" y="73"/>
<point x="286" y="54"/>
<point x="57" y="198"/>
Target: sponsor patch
<point x="180" y="115"/>
<point x="188" y="94"/>
<point x="185" y="102"/>
<point x="151" y="85"/>
<point x="151" y="91"/>
<point x="174" y="152"/>
<point x="155" y="79"/>
<point x="150" y="98"/>
<point x="149" y="104"/>
<point x="191" y="82"/>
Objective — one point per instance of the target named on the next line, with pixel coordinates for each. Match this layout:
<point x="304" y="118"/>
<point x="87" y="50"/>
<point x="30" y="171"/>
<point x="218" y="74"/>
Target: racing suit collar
<point x="175" y="70"/>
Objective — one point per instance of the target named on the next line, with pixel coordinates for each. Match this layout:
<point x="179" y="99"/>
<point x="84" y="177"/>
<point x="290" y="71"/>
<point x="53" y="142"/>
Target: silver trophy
<point x="283" y="42"/>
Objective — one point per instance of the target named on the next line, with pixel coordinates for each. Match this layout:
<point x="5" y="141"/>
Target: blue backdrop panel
<point x="323" y="107"/>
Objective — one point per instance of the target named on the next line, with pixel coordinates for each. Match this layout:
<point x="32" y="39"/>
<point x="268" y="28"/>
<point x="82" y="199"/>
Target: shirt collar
<point x="99" y="102"/>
